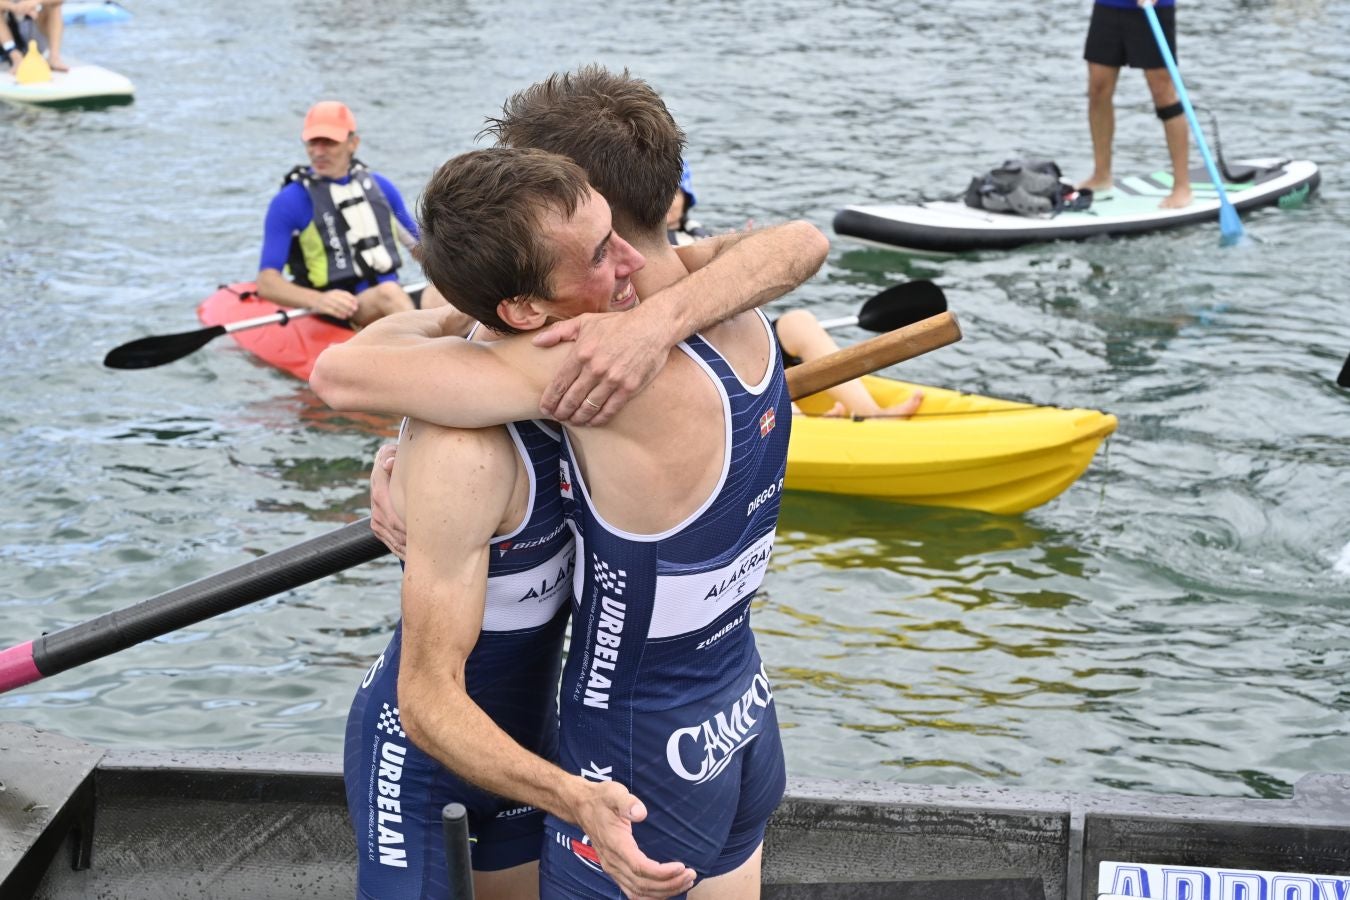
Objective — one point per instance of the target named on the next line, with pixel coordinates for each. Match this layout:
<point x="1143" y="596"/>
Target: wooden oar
<point x="156" y="350"/>
<point x="354" y="544"/>
<point x="895" y="307"/>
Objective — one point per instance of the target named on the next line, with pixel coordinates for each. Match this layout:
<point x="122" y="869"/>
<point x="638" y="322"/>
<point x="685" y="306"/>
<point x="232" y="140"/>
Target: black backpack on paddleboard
<point x="1025" y="187"/>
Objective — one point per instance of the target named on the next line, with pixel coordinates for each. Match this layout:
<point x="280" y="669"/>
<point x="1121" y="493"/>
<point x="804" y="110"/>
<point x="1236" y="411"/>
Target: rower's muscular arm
<point x="614" y="358"/>
<point x="450" y="525"/>
<point x="760" y="266"/>
<point x="406" y="364"/>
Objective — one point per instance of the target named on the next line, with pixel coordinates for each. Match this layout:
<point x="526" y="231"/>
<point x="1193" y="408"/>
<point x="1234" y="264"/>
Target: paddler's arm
<point x="406" y="365"/>
<point x="451" y="523"/>
<point x="615" y="356"/>
<point x="289" y="212"/>
<point x="274" y="286"/>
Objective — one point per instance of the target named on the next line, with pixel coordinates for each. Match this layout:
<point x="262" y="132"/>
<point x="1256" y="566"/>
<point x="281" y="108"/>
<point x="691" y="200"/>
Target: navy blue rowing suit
<point x="663" y="689"/>
<point x="395" y="792"/>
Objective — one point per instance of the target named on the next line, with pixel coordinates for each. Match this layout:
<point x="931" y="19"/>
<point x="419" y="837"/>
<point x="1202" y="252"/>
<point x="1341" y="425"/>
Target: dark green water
<point x="1179" y="620"/>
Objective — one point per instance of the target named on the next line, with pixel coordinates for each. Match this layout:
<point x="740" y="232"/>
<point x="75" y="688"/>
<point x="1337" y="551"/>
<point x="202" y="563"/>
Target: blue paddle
<point x="1230" y="226"/>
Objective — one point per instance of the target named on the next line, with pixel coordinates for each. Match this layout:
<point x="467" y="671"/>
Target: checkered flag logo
<point x="611" y="581"/>
<point x="389" y="722"/>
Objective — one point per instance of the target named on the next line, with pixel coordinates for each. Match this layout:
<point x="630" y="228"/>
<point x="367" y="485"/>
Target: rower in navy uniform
<point x="677" y="494"/>
<point x="488" y="564"/>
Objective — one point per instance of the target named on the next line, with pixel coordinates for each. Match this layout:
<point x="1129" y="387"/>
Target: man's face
<point x="329" y="158"/>
<point x="594" y="265"/>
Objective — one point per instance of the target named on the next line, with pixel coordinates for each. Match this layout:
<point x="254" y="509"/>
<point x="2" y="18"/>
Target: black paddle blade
<point x="901" y="305"/>
<point x="1343" y="379"/>
<point x="157" y="350"/>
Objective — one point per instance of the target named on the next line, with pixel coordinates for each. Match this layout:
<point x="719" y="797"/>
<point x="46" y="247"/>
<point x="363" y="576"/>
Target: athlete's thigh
<point x="741" y="883"/>
<point x="516" y="883"/>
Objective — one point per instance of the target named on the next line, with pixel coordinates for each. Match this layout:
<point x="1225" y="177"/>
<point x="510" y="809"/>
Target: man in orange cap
<point x="336" y="225"/>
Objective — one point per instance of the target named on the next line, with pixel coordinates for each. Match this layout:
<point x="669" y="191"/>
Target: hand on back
<point x="384" y="519"/>
<point x="614" y="356"/>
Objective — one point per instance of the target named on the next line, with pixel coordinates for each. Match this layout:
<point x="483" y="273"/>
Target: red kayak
<point x="291" y="346"/>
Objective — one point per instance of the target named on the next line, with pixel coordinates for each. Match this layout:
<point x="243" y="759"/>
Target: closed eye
<point x="601" y="251"/>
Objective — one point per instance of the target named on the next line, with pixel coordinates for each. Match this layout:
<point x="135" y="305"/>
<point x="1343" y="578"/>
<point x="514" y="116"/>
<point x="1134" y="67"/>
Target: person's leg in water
<point x="1101" y="123"/>
<point x="1168" y="105"/>
<point x="801" y="335"/>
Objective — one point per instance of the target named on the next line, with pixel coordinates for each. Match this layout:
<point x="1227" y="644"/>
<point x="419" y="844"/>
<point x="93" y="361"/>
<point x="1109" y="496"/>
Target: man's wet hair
<point x="614" y="126"/>
<point x="481" y="222"/>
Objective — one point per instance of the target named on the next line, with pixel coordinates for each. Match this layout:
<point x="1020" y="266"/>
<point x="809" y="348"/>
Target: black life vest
<point x="1026" y="187"/>
<point x="351" y="237"/>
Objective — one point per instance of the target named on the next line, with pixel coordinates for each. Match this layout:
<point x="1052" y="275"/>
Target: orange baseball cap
<point x="328" y="119"/>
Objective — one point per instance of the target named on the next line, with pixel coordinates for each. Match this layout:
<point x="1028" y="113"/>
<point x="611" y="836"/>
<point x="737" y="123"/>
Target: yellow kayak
<point x="959" y="450"/>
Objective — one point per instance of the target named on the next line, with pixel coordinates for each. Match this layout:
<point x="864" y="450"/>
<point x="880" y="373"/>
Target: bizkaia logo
<point x="385" y="822"/>
<point x="604" y="650"/>
<point x="715" y="742"/>
<point x="503" y="547"/>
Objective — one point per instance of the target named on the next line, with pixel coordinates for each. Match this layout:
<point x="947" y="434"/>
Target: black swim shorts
<point x="1121" y="37"/>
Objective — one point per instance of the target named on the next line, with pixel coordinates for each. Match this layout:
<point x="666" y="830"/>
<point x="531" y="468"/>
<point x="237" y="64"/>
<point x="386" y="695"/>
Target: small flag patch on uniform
<point x="766" y="423"/>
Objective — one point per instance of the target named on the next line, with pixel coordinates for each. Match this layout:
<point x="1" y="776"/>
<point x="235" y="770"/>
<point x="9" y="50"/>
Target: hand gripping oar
<point x="895" y="307"/>
<point x="1230" y="226"/>
<point x="354" y="544"/>
<point x="156" y="350"/>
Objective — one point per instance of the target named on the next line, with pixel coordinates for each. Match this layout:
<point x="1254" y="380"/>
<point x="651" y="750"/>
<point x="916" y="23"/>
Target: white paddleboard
<point x="82" y="85"/>
<point x="1130" y="207"/>
<point x="93" y="12"/>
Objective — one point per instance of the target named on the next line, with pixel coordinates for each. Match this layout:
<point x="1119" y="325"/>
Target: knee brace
<point x="1169" y="112"/>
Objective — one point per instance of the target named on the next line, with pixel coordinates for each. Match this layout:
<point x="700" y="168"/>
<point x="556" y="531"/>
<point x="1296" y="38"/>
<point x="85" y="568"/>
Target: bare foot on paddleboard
<point x="1178" y="199"/>
<point x="57" y="66"/>
<point x="1096" y="185"/>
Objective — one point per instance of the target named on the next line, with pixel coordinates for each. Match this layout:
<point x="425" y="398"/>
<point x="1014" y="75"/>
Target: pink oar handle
<point x="17" y="667"/>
